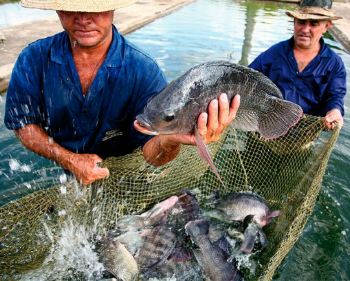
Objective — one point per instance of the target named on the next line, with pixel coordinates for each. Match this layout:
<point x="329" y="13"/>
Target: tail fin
<point x="281" y="116"/>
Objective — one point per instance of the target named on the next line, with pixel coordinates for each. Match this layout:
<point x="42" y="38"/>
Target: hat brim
<point x="77" y="5"/>
<point x="303" y="16"/>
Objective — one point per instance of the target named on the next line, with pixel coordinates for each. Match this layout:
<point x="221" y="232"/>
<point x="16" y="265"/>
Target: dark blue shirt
<point x="45" y="89"/>
<point x="320" y="87"/>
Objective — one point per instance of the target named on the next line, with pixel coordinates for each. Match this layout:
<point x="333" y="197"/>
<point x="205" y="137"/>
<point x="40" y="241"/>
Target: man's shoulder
<point x="331" y="56"/>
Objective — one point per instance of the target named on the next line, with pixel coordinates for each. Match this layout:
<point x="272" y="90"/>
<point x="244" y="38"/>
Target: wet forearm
<point x="161" y="150"/>
<point x="34" y="138"/>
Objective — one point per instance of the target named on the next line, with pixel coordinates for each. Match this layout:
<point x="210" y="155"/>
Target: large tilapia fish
<point x="239" y="207"/>
<point x="176" y="109"/>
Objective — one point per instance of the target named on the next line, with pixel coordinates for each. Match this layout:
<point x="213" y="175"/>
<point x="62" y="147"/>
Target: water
<point x="22" y="15"/>
<point x="236" y="31"/>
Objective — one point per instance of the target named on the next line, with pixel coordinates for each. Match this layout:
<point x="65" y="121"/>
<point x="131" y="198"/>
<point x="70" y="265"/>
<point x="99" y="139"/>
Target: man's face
<point x="87" y="29"/>
<point x="307" y="33"/>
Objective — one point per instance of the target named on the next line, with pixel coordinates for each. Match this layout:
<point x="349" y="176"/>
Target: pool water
<point x="237" y="31"/>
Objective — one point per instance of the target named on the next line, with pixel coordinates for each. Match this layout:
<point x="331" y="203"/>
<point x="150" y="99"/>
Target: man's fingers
<point x="234" y="107"/>
<point x="97" y="174"/>
<point x="101" y="172"/>
<point x="223" y="110"/>
<point x="333" y="118"/>
<point x="213" y="121"/>
<point x="202" y="124"/>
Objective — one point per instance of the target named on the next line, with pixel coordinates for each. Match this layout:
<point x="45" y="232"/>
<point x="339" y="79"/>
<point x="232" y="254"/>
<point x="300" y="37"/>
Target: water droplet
<point x="62" y="213"/>
<point x="63" y="178"/>
<point x="14" y="165"/>
<point x="63" y="190"/>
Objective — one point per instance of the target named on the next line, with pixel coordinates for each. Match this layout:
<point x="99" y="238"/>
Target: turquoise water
<point x="236" y="31"/>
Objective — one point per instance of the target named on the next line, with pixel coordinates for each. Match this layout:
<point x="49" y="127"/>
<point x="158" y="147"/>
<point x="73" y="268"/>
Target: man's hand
<point x="333" y="118"/>
<point x="220" y="114"/>
<point x="85" y="168"/>
<point x="164" y="148"/>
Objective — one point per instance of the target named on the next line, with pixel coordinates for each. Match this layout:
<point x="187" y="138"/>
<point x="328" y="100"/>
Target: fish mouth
<point x="143" y="126"/>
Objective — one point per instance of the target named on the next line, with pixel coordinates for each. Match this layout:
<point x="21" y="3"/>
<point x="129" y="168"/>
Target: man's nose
<point x="306" y="27"/>
<point x="83" y="17"/>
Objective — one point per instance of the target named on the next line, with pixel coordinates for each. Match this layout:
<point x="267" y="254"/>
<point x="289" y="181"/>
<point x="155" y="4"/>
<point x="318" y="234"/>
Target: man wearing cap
<point x="305" y="69"/>
<point x="73" y="97"/>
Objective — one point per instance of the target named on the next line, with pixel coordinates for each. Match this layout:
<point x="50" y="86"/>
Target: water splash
<point x="15" y="165"/>
<point x="72" y="255"/>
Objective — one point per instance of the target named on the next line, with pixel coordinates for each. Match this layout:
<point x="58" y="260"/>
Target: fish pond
<point x="210" y="30"/>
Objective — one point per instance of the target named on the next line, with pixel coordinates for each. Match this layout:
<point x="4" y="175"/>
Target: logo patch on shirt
<point x="112" y="134"/>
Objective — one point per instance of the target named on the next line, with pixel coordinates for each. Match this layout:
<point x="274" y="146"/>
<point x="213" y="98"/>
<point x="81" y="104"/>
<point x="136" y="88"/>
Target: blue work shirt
<point x="45" y="89"/>
<point x="320" y="87"/>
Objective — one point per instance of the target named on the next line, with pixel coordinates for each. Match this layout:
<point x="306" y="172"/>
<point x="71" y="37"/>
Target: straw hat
<point x="77" y="5"/>
<point x="314" y="10"/>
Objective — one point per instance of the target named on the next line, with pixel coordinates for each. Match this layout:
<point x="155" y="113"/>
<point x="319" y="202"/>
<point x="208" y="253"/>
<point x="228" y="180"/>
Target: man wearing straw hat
<point x="305" y="69"/>
<point x="73" y="97"/>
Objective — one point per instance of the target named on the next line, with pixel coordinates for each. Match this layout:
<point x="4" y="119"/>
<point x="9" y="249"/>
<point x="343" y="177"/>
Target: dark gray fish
<point x="118" y="261"/>
<point x="211" y="258"/>
<point x="132" y="230"/>
<point x="238" y="207"/>
<point x="176" y="109"/>
<point x="157" y="247"/>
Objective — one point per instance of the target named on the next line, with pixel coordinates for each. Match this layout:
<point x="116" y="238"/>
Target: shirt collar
<point x="324" y="52"/>
<point x="60" y="50"/>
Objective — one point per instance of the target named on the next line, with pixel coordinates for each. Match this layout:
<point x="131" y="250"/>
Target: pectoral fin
<point x="205" y="155"/>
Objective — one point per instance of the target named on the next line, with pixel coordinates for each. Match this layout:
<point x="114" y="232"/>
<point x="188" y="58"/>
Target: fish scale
<point x="157" y="247"/>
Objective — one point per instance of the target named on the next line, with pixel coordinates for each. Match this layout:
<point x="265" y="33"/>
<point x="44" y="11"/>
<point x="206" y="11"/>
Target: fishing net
<point x="287" y="172"/>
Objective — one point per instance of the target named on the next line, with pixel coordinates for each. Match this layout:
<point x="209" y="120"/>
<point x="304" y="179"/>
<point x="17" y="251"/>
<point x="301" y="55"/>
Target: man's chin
<point x="303" y="44"/>
<point x="86" y="42"/>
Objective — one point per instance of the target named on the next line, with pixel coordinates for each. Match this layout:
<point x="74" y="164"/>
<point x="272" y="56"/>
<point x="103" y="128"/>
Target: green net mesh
<point x="287" y="172"/>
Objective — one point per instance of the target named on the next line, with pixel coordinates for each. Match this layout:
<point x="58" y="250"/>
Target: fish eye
<point x="169" y="117"/>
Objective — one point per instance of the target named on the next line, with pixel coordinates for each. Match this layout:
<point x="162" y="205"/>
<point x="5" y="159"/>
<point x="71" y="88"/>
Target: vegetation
<point x="7" y="1"/>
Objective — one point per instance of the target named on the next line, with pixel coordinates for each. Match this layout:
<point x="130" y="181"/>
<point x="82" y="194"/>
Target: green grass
<point x="7" y="1"/>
